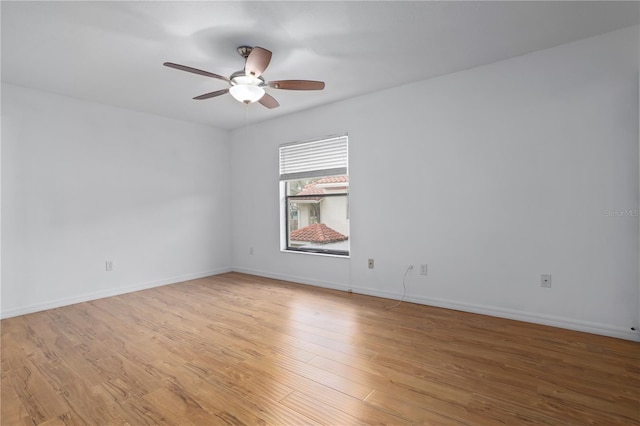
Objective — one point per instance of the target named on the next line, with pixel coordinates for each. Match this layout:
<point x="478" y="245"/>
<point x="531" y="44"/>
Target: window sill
<point x="311" y="253"/>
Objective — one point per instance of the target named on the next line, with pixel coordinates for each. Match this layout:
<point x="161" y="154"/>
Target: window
<point x="314" y="182"/>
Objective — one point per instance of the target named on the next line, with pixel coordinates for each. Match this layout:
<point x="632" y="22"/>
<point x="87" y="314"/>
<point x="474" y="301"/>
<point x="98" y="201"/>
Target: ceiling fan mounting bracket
<point x="244" y="51"/>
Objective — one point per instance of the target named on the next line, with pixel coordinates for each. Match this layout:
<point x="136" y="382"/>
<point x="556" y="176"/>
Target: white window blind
<point x="324" y="157"/>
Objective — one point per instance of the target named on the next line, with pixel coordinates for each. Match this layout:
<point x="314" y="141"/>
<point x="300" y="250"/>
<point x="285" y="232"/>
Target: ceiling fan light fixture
<point x="247" y="93"/>
<point x="246" y="88"/>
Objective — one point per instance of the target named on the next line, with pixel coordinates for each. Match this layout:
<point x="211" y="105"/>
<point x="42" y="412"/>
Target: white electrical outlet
<point x="370" y="263"/>
<point x="108" y="265"/>
<point x="545" y="280"/>
<point x="423" y="269"/>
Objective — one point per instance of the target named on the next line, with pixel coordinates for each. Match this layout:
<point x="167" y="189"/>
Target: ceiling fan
<point x="248" y="85"/>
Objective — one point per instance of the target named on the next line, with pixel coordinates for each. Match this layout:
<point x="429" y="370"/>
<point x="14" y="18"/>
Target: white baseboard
<point x="292" y="278"/>
<point x="536" y="318"/>
<point x="65" y="301"/>
<point x="531" y="317"/>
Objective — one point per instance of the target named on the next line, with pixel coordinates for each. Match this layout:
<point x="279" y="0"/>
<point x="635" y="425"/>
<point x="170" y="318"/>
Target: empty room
<point x="320" y="213"/>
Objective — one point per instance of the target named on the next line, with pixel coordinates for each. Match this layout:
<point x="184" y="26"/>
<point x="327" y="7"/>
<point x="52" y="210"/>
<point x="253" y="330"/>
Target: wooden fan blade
<point x="212" y="94"/>
<point x="269" y="101"/>
<point x="297" y="84"/>
<point x="257" y="61"/>
<point x="195" y="71"/>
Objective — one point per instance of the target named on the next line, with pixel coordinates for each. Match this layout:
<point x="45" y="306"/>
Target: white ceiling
<point x="112" y="52"/>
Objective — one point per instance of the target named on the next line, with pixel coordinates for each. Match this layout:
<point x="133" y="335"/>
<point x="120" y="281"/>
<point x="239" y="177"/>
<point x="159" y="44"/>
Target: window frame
<point x="312" y="167"/>
<point x="287" y="239"/>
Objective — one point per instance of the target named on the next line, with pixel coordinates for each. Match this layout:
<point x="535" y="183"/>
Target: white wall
<point x="84" y="183"/>
<point x="492" y="176"/>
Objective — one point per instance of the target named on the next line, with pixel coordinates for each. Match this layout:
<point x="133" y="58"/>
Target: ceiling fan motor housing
<point x="240" y="77"/>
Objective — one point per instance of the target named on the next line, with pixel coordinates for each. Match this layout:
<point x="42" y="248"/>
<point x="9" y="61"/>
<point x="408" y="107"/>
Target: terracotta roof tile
<point x="317" y="233"/>
<point x="333" y="179"/>
<point x="313" y="189"/>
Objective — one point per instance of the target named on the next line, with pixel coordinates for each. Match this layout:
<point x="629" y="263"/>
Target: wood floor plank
<point x="239" y="349"/>
<point x="175" y="405"/>
<point x="41" y="401"/>
<point x="358" y="408"/>
<point x="138" y="411"/>
<point x="66" y="419"/>
<point x="307" y="371"/>
<point x="263" y="402"/>
<point x="11" y="409"/>
<point x="426" y="410"/>
<point x="319" y="411"/>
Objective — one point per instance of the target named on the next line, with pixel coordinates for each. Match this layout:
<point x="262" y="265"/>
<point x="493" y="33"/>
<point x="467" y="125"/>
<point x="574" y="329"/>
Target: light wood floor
<point x="237" y="349"/>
